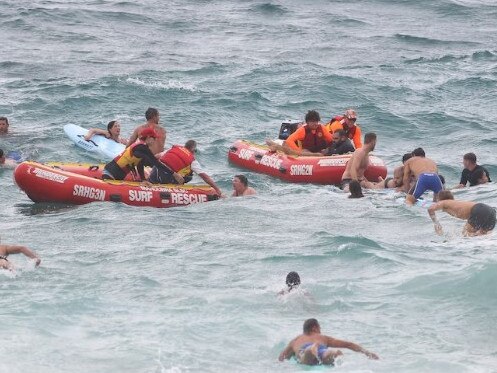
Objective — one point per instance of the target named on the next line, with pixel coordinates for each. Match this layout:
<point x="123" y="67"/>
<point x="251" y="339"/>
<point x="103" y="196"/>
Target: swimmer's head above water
<point x="292" y="280"/>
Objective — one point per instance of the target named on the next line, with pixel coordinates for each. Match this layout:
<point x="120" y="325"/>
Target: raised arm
<point x="337" y="343"/>
<point x="23" y="250"/>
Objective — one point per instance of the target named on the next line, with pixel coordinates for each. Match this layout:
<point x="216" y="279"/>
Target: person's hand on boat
<point x="146" y="183"/>
<point x="178" y="178"/>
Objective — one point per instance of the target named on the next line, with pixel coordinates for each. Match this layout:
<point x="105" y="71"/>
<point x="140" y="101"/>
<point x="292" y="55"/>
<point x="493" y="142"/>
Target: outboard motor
<point x="287" y="128"/>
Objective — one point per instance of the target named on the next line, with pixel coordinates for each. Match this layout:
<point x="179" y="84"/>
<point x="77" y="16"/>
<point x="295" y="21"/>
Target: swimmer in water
<point x="355" y="189"/>
<point x="6" y="162"/>
<point x="241" y="187"/>
<point x="4" y="125"/>
<point x="358" y="163"/>
<point x="113" y="132"/>
<point x="6" y="250"/>
<point x="314" y="348"/>
<point x="292" y="282"/>
<point x="480" y="218"/>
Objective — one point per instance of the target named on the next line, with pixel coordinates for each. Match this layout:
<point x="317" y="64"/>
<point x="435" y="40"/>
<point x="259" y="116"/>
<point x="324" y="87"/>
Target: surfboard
<point x="99" y="145"/>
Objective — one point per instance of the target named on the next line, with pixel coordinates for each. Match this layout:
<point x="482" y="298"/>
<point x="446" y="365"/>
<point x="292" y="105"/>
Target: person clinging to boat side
<point x="137" y="156"/>
<point x="241" y="187"/>
<point x="113" y="132"/>
<point x="180" y="160"/>
<point x="152" y="116"/>
<point x="348" y="123"/>
<point x="308" y="140"/>
<point x="6" y="250"/>
<point x="314" y="348"/>
<point x="480" y="218"/>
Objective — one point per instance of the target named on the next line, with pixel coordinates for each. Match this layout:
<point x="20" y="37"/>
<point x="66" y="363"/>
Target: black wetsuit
<point x="147" y="159"/>
<point x="471" y="176"/>
<point x="337" y="148"/>
<point x="482" y="217"/>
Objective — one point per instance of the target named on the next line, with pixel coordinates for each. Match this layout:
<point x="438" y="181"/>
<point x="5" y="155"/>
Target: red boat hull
<point x="43" y="183"/>
<point x="316" y="170"/>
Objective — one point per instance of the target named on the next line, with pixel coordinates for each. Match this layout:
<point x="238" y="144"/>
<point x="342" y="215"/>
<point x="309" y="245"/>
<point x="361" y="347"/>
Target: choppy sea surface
<point x="124" y="289"/>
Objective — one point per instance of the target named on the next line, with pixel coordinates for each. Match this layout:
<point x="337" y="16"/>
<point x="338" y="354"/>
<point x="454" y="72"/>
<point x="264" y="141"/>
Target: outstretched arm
<point x="431" y="212"/>
<point x="23" y="250"/>
<point x="356" y="161"/>
<point x="406" y="180"/>
<point x="211" y="182"/>
<point x="337" y="343"/>
<point x="287" y="353"/>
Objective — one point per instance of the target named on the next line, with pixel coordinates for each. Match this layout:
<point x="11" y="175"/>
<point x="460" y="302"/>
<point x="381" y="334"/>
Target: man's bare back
<point x="357" y="165"/>
<point x="420" y="165"/>
<point x="458" y="209"/>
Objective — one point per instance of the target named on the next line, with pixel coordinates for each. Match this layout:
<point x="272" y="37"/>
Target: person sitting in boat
<point x="137" y="156"/>
<point x="347" y="122"/>
<point x="180" y="160"/>
<point x="113" y="132"/>
<point x="6" y="250"/>
<point x="308" y="140"/>
<point x="341" y="144"/>
<point x="241" y="187"/>
<point x="4" y="125"/>
<point x="6" y="162"/>
<point x="473" y="173"/>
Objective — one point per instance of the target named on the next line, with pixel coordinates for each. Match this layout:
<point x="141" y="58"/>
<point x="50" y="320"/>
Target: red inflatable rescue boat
<point x="317" y="170"/>
<point x="43" y="183"/>
<point x="88" y="169"/>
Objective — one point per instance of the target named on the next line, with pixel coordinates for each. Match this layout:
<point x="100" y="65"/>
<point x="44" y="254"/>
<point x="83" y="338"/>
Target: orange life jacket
<point x="314" y="142"/>
<point x="179" y="159"/>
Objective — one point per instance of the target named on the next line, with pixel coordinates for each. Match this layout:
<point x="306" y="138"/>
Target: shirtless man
<point x="241" y="188"/>
<point x="425" y="172"/>
<point x="390" y="182"/>
<point x="359" y="162"/>
<point x="152" y="116"/>
<point x="480" y="217"/>
<point x="313" y="348"/>
<point x="6" y="250"/>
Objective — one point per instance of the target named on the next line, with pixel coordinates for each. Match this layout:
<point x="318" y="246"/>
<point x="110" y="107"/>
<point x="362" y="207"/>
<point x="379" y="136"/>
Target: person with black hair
<point x="292" y="282"/>
<point x="355" y="189"/>
<point x="341" y="144"/>
<point x="113" y="132"/>
<point x="6" y="162"/>
<point x="425" y="172"/>
<point x="308" y="140"/>
<point x="241" y="187"/>
<point x="358" y="163"/>
<point x="473" y="173"/>
<point x="314" y="348"/>
<point x="152" y="116"/>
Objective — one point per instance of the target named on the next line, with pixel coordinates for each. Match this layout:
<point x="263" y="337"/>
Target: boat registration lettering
<point x="301" y="170"/>
<point x="140" y="195"/>
<point x="245" y="154"/>
<point x="186" y="199"/>
<point x="271" y="161"/>
<point x="333" y="162"/>
<point x="88" y="192"/>
<point x="48" y="175"/>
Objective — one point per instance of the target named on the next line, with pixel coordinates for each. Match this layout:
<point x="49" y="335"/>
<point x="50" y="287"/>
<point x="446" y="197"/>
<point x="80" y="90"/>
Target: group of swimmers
<point x="417" y="175"/>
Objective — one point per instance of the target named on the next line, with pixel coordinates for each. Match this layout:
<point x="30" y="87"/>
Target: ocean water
<point x="123" y="289"/>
